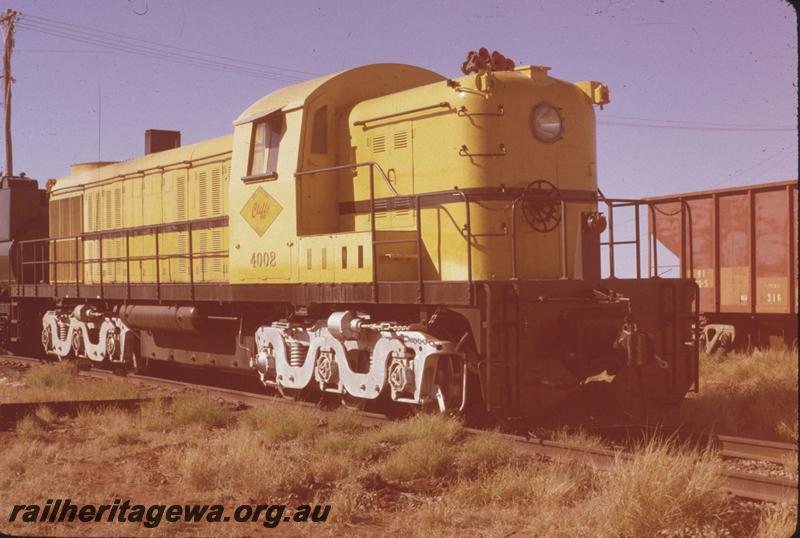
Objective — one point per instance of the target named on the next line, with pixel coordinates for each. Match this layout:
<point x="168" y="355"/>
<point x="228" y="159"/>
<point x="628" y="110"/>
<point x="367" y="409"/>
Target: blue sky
<point x="704" y="94"/>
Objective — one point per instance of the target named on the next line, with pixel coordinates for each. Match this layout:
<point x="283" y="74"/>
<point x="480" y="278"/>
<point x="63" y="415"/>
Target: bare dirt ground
<point x="415" y="477"/>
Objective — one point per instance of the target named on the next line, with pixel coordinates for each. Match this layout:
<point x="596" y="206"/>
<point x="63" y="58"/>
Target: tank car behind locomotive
<point x="383" y="234"/>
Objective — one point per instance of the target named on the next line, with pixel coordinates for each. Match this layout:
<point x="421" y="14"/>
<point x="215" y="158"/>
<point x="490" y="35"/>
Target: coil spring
<point x="63" y="328"/>
<point x="297" y="353"/>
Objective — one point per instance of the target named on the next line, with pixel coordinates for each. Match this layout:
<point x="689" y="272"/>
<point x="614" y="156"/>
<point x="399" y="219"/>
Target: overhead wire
<point x="160" y="55"/>
<point x="156" y="53"/>
<point x="166" y="57"/>
<point x="698" y="128"/>
<point x="86" y="29"/>
<point x="752" y="167"/>
<point x="689" y="122"/>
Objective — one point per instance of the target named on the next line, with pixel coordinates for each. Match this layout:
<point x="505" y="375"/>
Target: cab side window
<point x="267" y="134"/>
<point x="319" y="131"/>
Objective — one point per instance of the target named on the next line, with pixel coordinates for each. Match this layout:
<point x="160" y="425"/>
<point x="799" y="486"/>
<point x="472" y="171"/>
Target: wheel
<point x="352" y="403"/>
<point x="77" y="343"/>
<point x="296" y="395"/>
<point x="47" y="338"/>
<point x="112" y="346"/>
<point x="725" y="343"/>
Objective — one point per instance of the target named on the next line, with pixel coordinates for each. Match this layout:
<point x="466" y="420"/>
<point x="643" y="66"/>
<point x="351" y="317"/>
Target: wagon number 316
<point x="263" y="259"/>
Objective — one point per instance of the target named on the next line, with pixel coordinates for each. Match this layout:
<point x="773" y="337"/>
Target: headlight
<point x="545" y="122"/>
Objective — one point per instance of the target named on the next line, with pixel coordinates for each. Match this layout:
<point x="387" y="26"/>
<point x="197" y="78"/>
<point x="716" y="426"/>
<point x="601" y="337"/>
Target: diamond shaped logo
<point x="260" y="211"/>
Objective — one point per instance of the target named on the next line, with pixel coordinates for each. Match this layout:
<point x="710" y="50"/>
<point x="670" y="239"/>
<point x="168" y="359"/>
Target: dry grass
<point x="778" y="521"/>
<point x="419" y="458"/>
<point x="418" y="476"/>
<point x="790" y="465"/>
<point x="239" y="461"/>
<point x="54" y="382"/>
<point x="481" y="455"/>
<point x="663" y="488"/>
<point x="578" y="437"/>
<point x="14" y="460"/>
<point x="198" y="409"/>
<point x="749" y="394"/>
<point x="278" y="424"/>
<point x="436" y="427"/>
<point x="36" y="425"/>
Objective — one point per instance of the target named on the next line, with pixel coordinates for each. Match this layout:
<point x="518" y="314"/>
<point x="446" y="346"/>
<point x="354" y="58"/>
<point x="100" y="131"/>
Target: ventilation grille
<point x="401" y="139"/>
<point x="90" y="225"/>
<point x="181" y="198"/>
<point x="98" y="212"/>
<point x="117" y="208"/>
<point x="203" y="236"/>
<point x="381" y="206"/>
<point x="379" y="144"/>
<point x="183" y="250"/>
<point x="202" y="178"/>
<point x="216" y="192"/>
<point x="402" y="203"/>
<point x="109" y="212"/>
<point x="216" y="246"/>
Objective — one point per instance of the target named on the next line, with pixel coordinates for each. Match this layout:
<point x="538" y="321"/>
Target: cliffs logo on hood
<point x="260" y="211"/>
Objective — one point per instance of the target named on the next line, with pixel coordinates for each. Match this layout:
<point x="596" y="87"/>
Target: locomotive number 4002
<point x="263" y="259"/>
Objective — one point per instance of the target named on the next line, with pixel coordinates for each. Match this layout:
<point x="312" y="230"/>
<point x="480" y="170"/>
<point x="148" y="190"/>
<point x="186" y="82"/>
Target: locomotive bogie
<point x="85" y="333"/>
<point x="412" y="366"/>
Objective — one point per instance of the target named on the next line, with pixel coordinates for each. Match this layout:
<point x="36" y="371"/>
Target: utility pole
<point x="7" y="21"/>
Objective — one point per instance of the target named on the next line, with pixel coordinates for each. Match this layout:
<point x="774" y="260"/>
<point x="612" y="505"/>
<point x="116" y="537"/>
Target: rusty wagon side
<point x="740" y="245"/>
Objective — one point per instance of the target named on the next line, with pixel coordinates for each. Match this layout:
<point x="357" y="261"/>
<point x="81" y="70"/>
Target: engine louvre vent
<point x="379" y="144"/>
<point x="401" y="139"/>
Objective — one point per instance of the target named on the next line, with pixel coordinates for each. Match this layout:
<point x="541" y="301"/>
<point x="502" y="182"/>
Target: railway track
<point x="752" y="486"/>
<point x="756" y="449"/>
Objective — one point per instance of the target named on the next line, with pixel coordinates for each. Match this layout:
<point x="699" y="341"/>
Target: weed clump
<point x="751" y="394"/>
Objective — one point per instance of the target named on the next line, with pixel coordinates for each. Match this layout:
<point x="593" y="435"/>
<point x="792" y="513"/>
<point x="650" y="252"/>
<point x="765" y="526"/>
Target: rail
<point x="757" y="449"/>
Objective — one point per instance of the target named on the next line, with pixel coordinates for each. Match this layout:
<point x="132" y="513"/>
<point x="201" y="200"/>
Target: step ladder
<point x="14" y="329"/>
<point x="502" y="352"/>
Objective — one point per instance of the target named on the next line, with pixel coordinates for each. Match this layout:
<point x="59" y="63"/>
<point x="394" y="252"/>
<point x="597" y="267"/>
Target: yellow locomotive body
<point x="317" y="227"/>
<point x="184" y="184"/>
<point x="380" y="233"/>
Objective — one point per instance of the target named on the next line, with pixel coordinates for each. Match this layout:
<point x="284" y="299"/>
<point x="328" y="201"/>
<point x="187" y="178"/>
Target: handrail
<point x="54" y="254"/>
<point x="443" y="104"/>
<point x="371" y="164"/>
<point x="616" y="203"/>
<point x="145" y="229"/>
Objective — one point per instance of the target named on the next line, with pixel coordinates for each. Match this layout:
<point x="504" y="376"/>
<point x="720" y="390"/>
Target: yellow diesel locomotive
<point x="384" y="234"/>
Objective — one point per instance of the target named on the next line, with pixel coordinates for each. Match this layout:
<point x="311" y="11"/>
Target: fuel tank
<point x="163" y="318"/>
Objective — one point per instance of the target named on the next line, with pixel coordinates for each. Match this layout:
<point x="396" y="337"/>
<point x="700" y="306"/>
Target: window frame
<point x="274" y="127"/>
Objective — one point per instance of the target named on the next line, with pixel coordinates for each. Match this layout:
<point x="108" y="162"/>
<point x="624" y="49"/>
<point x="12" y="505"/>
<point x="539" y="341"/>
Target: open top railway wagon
<point x="383" y="235"/>
<point x="740" y="245"/>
